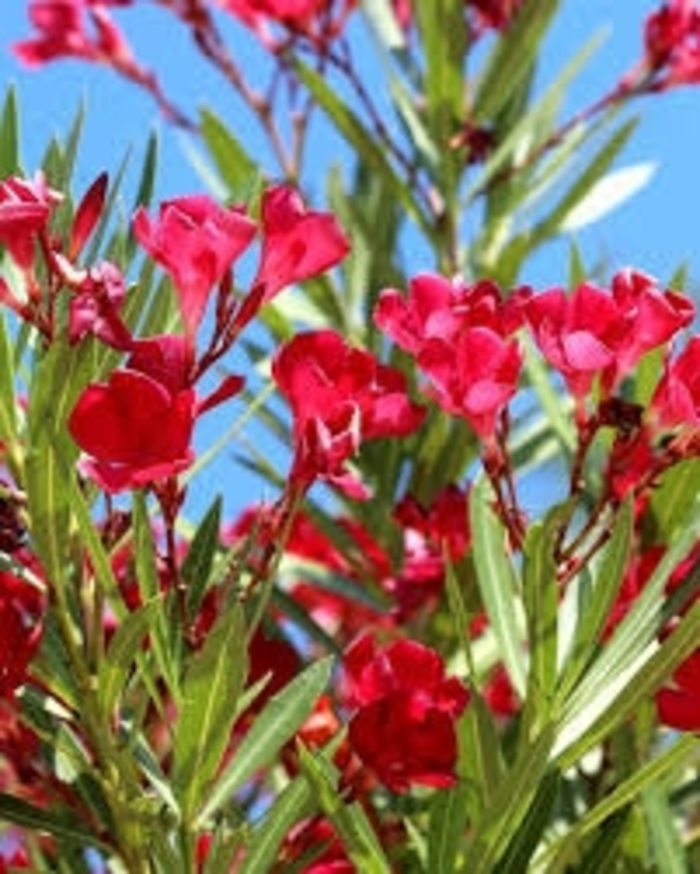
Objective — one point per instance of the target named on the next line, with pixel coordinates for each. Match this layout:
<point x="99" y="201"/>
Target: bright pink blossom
<point x="653" y="317"/>
<point x="672" y="44"/>
<point x="677" y="397"/>
<point x="438" y="308"/>
<point x="25" y="210"/>
<point x="62" y="31"/>
<point x="98" y="295"/>
<point x="318" y="20"/>
<point x="298" y="243"/>
<point x="197" y="242"/>
<point x="406" y="709"/>
<point x="474" y="376"/>
<point x="580" y="334"/>
<point x="460" y="337"/>
<point x="340" y="397"/>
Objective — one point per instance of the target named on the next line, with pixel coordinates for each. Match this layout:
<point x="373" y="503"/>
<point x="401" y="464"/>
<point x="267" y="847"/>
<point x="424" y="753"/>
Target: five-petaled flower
<point x="403" y="726"/>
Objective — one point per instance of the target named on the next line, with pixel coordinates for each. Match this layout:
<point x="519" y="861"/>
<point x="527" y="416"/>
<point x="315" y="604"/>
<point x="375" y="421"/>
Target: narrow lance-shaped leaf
<point x="511" y="56"/>
<point x="498" y="583"/>
<point x="235" y="165"/>
<point x="281" y="717"/>
<point x="349" y="819"/>
<point x="541" y="598"/>
<point x="196" y="568"/>
<point x="354" y="131"/>
<point x="9" y="136"/>
<point x="212" y="685"/>
<point x="292" y="805"/>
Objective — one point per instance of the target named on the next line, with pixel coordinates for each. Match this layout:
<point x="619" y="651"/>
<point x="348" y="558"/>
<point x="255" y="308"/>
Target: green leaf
<point x="448" y="821"/>
<point x="381" y="17"/>
<point x="498" y="582"/>
<point x="513" y="53"/>
<point x="9" y="136"/>
<point x="510" y="806"/>
<point x="614" y="559"/>
<point x="235" y="165"/>
<point x="293" y="804"/>
<point x="58" y="378"/>
<point x="349" y="819"/>
<point x="650" y="774"/>
<point x="541" y="598"/>
<point x="281" y="717"/>
<point x="213" y="682"/>
<point x="166" y="640"/>
<point x="608" y="193"/>
<point x="8" y="399"/>
<point x="197" y="566"/>
<point x="672" y="501"/>
<point x="365" y="143"/>
<point x="632" y="683"/>
<point x="444" y="38"/>
<point x="24" y="814"/>
<point x="123" y="650"/>
<point x="585" y="181"/>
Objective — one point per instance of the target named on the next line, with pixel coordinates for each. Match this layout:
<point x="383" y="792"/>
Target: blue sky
<point x="656" y="231"/>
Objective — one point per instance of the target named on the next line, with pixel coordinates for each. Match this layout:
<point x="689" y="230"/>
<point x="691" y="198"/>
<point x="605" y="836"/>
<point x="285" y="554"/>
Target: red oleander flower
<point x="404" y="724"/>
<point x="473" y="377"/>
<point x="98" y="295"/>
<point x="437" y="308"/>
<point x="62" y="32"/>
<point x="678" y="703"/>
<point x="21" y="606"/>
<point x="653" y="315"/>
<point x="134" y="429"/>
<point x="496" y="14"/>
<point x="319" y="20"/>
<point x="460" y="338"/>
<point x="672" y="44"/>
<point x="340" y="396"/>
<point x="25" y="209"/>
<point x="297" y="243"/>
<point x="197" y="242"/>
<point x="580" y="334"/>
<point x="676" y="400"/>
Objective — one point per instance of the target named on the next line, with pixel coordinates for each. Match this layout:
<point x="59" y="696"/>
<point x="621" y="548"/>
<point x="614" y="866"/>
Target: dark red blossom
<point x="404" y="724"/>
<point x="340" y="396"/>
<point x="678" y="703"/>
<point x="134" y="430"/>
<point x="197" y="242"/>
<point x="21" y="606"/>
<point x="495" y="14"/>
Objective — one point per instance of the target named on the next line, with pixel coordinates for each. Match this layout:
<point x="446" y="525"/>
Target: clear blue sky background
<point x="656" y="231"/>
